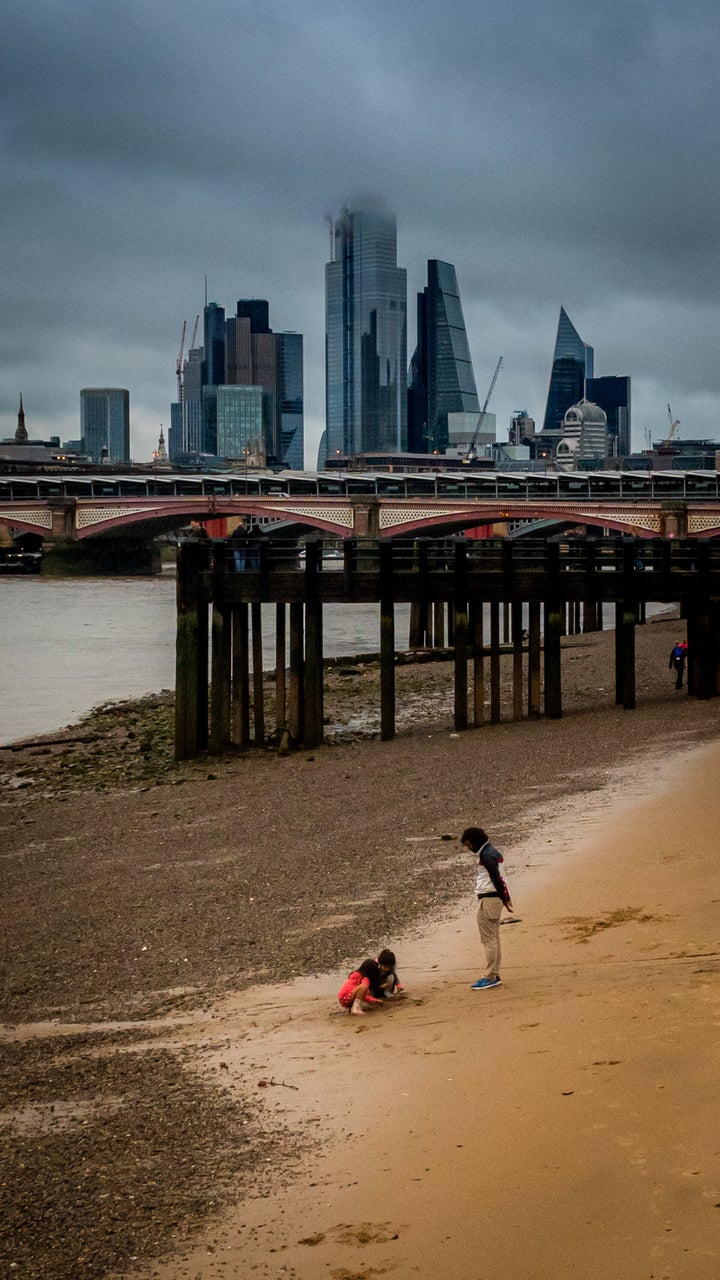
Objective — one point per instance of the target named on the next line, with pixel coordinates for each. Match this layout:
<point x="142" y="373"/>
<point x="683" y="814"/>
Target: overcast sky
<point x="555" y="153"/>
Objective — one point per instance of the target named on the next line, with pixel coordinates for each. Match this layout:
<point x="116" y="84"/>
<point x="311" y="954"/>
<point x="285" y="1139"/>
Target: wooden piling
<point x="387" y="643"/>
<point x="257" y="661"/>
<point x="460" y="632"/>
<point x="517" y="643"/>
<point x="240" y="722"/>
<point x="313" y="646"/>
<point x="191" y="649"/>
<point x="476" y="632"/>
<point x="280" y="667"/>
<point x="221" y="655"/>
<point x="554" y="611"/>
<point x="534" y="661"/>
<point x="494" y="662"/>
<point x="296" y="689"/>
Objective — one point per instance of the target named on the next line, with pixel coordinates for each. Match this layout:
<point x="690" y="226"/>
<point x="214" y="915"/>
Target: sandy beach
<point x="179" y="1079"/>
<point x="562" y="1125"/>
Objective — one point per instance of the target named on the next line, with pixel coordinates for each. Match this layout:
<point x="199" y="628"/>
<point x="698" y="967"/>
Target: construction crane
<point x="673" y="427"/>
<point x="178" y="364"/>
<point x="471" y="454"/>
<point x="192" y="344"/>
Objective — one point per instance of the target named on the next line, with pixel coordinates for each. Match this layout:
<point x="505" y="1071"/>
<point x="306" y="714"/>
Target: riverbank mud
<point x="140" y="899"/>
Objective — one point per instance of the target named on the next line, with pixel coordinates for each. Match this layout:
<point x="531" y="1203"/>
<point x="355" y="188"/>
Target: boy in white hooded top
<point x="493" y="894"/>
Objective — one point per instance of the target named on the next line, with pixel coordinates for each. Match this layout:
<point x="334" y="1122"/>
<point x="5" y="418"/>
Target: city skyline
<point x="117" y="207"/>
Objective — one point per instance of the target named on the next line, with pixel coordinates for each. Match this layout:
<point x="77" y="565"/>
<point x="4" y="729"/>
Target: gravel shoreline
<point x="137" y="887"/>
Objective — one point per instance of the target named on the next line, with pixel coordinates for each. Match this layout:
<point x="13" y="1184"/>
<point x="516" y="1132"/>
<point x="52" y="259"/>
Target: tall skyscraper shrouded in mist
<point x="572" y="363"/>
<point x="441" y="378"/>
<point x="365" y="334"/>
<point x="105" y="423"/>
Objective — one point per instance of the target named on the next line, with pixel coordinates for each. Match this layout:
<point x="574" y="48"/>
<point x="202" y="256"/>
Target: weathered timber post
<point x="553" y="628"/>
<point x="280" y="644"/>
<point x="221" y="657"/>
<point x="534" y="666"/>
<point x="506" y="610"/>
<point x="296" y="691"/>
<point x="619" y="654"/>
<point x="460" y="631"/>
<point x="625" y="618"/>
<point x="387" y="643"/>
<point x="703" y="612"/>
<point x="494" y="662"/>
<point x="438" y="624"/>
<point x="240" y="676"/>
<point x="419" y="637"/>
<point x="476" y="631"/>
<point x="191" y="652"/>
<point x="517" y="642"/>
<point x="313" y="645"/>
<point x="257" y="662"/>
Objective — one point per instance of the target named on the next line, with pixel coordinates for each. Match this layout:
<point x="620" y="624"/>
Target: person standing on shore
<point x="493" y="894"/>
<point x="677" y="660"/>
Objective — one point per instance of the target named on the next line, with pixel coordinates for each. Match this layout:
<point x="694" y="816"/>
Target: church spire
<point x="21" y="435"/>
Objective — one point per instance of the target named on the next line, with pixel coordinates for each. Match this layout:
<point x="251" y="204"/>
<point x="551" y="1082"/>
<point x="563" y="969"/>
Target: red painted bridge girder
<point x="386" y="517"/>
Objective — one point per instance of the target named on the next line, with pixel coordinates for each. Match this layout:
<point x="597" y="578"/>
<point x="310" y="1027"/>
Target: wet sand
<point x="564" y="1124"/>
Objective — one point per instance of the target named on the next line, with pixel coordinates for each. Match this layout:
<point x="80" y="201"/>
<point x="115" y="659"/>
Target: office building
<point x="365" y="334"/>
<point x="105" y="423"/>
<point x="613" y="396"/>
<point x="572" y="363"/>
<point x="239" y="421"/>
<point x="441" y="378"/>
<point x="584" y="436"/>
<point x="241" y="351"/>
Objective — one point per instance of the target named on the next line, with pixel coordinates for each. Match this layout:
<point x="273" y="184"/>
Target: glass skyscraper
<point x="441" y="378"/>
<point x="365" y="335"/>
<point x="243" y="352"/>
<point x="105" y="423"/>
<point x="572" y="364"/>
<point x="239" y="420"/>
<point x="613" y="396"/>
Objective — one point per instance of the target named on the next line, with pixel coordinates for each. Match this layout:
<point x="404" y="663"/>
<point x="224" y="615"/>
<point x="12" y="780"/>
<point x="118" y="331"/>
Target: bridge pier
<point x="100" y="557"/>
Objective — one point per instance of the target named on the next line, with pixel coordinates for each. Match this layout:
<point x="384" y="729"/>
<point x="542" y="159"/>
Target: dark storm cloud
<point x="555" y="154"/>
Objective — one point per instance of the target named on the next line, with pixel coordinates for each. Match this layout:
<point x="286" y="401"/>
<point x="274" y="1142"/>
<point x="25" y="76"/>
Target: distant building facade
<point x="365" y="334"/>
<point x="441" y="380"/>
<point x="613" y="395"/>
<point x="239" y="421"/>
<point x="105" y="423"/>
<point x="584" y="436"/>
<point x="241" y="351"/>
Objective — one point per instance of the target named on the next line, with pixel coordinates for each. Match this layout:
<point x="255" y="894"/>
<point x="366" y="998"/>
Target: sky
<point x="557" y="154"/>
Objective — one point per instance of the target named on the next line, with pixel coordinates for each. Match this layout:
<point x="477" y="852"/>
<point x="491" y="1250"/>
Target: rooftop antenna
<point x="205" y="288"/>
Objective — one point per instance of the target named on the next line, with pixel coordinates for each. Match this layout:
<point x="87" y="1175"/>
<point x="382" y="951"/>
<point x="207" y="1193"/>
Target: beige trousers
<point x="488" y="923"/>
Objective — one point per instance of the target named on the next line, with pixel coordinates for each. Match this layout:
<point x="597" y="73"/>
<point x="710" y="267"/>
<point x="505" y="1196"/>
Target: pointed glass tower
<point x="573" y="362"/>
<point x="441" y="378"/>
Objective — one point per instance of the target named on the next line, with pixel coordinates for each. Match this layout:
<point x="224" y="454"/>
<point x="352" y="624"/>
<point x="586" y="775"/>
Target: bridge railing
<point x="652" y="556"/>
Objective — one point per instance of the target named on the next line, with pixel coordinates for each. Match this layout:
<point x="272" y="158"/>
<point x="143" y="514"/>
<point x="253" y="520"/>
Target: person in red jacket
<point x="493" y="894"/>
<point x="356" y="992"/>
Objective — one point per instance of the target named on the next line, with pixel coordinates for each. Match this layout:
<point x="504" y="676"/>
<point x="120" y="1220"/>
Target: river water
<point x="70" y="644"/>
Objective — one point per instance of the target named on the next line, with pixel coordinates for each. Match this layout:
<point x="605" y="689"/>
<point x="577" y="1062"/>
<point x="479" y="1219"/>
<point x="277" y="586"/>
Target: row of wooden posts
<point x="529" y="609"/>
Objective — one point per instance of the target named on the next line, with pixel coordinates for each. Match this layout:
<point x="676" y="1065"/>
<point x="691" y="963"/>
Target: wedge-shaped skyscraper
<point x="441" y="378"/>
<point x="572" y="364"/>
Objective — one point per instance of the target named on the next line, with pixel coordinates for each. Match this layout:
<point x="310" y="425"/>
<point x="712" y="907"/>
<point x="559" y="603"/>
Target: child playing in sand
<point x="356" y="992"/>
<point x="390" y="984"/>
